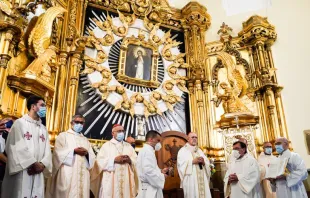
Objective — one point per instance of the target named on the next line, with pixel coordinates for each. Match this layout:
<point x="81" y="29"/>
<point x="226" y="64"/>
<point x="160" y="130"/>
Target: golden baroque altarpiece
<point x="231" y="83"/>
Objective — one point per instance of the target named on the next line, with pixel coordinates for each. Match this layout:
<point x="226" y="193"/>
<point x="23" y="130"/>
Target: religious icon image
<point x="138" y="62"/>
<point x="307" y="139"/>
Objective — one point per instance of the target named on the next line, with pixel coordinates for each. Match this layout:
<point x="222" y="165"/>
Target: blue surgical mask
<point x="77" y="128"/>
<point x="268" y="151"/>
<point x="120" y="136"/>
<point x="42" y="112"/>
<point x="279" y="149"/>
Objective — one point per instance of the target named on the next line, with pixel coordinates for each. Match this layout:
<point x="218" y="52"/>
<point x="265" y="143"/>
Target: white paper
<point x="276" y="168"/>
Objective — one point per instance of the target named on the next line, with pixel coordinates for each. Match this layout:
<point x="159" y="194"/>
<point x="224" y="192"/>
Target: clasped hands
<point x="122" y="159"/>
<point x="35" y="168"/>
<point x="199" y="160"/>
<point x="165" y="172"/>
<point x="233" y="178"/>
<point x="80" y="151"/>
<point x="280" y="177"/>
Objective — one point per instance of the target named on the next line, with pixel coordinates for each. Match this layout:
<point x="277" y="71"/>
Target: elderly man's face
<point x="283" y="142"/>
<point x="193" y="139"/>
<point x="116" y="130"/>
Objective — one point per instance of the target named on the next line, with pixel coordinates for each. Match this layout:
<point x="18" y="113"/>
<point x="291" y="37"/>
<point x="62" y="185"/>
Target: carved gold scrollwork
<point x="122" y="5"/>
<point x="141" y="7"/>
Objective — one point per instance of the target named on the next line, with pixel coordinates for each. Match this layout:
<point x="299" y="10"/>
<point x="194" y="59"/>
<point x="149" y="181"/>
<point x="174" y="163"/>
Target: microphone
<point x="200" y="166"/>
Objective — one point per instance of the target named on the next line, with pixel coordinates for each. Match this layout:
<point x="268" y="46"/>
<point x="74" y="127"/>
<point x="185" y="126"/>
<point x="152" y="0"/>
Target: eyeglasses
<point x="78" y="122"/>
<point x="194" y="137"/>
<point x="120" y="131"/>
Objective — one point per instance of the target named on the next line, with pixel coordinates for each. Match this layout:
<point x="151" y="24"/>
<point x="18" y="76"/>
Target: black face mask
<point x="5" y="134"/>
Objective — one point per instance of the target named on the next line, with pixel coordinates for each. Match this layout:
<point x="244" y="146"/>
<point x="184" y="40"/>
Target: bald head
<point x="282" y="141"/>
<point x="267" y="145"/>
<point x="192" y="139"/>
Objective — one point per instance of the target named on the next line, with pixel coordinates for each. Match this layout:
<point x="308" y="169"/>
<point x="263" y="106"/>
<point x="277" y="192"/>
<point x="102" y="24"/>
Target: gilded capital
<point x="257" y="30"/>
<point x="195" y="15"/>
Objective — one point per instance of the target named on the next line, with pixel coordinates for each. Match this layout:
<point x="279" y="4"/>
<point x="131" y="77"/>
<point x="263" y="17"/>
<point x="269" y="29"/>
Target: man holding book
<point x="264" y="160"/>
<point x="290" y="183"/>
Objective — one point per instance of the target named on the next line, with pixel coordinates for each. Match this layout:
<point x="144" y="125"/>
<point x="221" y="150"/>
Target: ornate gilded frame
<point x="122" y="77"/>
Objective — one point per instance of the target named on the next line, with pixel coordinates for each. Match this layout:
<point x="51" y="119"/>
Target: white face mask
<point x="158" y="146"/>
<point x="235" y="154"/>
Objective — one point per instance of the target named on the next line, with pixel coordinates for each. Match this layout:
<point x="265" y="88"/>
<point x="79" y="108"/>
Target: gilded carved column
<point x="259" y="35"/>
<point x="75" y="66"/>
<point x="10" y="32"/>
<point x="71" y="63"/>
<point x="196" y="21"/>
<point x="60" y="95"/>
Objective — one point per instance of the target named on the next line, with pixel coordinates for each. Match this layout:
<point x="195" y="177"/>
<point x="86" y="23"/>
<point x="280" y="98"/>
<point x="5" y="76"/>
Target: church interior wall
<point x="290" y="53"/>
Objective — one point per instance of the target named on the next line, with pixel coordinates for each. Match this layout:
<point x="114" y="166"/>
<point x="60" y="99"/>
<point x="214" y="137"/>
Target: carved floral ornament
<point x="140" y="34"/>
<point x="155" y="10"/>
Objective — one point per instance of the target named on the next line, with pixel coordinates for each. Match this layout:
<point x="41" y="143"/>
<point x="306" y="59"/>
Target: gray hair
<point x="283" y="139"/>
<point x="77" y="116"/>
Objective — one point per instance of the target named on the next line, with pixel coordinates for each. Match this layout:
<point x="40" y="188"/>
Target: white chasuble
<point x="27" y="143"/>
<point x="264" y="161"/>
<point x="151" y="180"/>
<point x="140" y="68"/>
<point x="293" y="186"/>
<point x="247" y="171"/>
<point x="117" y="180"/>
<point x="71" y="177"/>
<point x="194" y="181"/>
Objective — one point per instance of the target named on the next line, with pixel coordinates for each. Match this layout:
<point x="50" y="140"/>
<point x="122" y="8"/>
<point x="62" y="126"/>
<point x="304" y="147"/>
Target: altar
<point x="146" y="66"/>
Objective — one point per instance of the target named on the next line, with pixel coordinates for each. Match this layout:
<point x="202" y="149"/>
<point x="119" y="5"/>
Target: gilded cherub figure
<point x="39" y="44"/>
<point x="235" y="88"/>
<point x="231" y="102"/>
<point x="265" y="74"/>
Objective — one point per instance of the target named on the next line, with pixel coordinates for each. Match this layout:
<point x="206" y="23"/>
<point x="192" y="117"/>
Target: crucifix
<point x="42" y="138"/>
<point x="27" y="135"/>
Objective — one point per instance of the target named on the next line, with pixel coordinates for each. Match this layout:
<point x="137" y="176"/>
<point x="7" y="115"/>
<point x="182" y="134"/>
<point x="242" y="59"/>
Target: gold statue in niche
<point x="231" y="102"/>
<point x="39" y="45"/>
<point x="236" y="88"/>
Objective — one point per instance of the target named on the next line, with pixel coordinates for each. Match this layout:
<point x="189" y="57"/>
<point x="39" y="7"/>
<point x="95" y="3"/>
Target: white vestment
<point x="140" y="66"/>
<point x="194" y="181"/>
<point x="71" y="176"/>
<point x="117" y="180"/>
<point x="293" y="186"/>
<point x="2" y="144"/>
<point x="247" y="171"/>
<point x="264" y="161"/>
<point x="151" y="180"/>
<point x="27" y="143"/>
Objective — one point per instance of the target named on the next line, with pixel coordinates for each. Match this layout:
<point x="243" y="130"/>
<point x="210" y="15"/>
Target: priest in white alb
<point x="290" y="184"/>
<point x="29" y="154"/>
<point x="243" y="174"/>
<point x="264" y="160"/>
<point x="116" y="164"/>
<point x="73" y="157"/>
<point x="151" y="177"/>
<point x="194" y="169"/>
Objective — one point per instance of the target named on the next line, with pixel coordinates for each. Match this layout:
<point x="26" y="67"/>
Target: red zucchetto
<point x="115" y="125"/>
